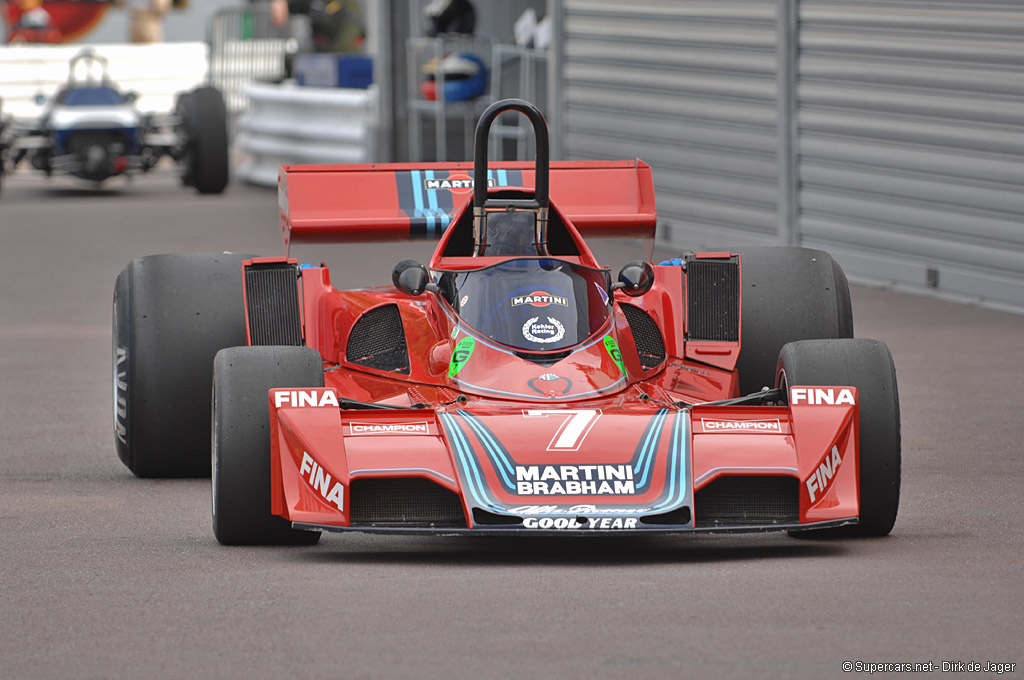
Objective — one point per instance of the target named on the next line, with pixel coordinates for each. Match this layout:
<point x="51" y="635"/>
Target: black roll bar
<point x="541" y="170"/>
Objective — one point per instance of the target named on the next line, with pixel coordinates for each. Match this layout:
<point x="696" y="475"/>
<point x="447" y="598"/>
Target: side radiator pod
<point x="713" y="299"/>
<point x="272" y="311"/>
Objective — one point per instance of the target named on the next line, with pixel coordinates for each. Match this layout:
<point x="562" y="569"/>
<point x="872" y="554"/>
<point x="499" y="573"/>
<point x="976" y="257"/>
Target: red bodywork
<point x="599" y="440"/>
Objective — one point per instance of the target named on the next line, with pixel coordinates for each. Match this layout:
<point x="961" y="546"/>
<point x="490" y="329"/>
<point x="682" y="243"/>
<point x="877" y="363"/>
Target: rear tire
<point x="868" y="366"/>
<point x="171" y="314"/>
<point x="205" y="123"/>
<point x="789" y="294"/>
<point x="240" y="486"/>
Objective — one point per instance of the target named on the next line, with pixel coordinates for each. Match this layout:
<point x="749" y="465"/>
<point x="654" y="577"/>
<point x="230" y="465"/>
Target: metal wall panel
<point x="889" y="132"/>
<point x="911" y="142"/>
<point x="689" y="87"/>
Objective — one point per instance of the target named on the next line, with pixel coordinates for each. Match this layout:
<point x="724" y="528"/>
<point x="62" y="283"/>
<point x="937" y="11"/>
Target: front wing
<point x="597" y="468"/>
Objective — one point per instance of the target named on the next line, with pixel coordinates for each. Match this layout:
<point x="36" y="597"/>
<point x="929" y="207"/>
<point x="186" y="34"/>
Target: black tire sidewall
<point x="171" y="314"/>
<point x="241" y="440"/>
<point x="207" y="130"/>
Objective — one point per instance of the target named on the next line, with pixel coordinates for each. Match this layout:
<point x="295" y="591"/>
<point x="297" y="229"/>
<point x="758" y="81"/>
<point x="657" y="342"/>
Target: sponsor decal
<point x="613" y="351"/>
<point x="463" y="350"/>
<point x="820" y="480"/>
<point x="691" y="369"/>
<point x="541" y="332"/>
<point x="486" y="466"/>
<point x="388" y="428"/>
<point x="302" y="398"/>
<point x="574" y="480"/>
<point x="455" y="332"/>
<point x="282" y="198"/>
<point x="550" y="384"/>
<point x="121" y="394"/>
<point x="457" y="184"/>
<point x="741" y="426"/>
<point x="320" y="480"/>
<point x="579" y="523"/>
<point x="583" y="509"/>
<point x="540" y="299"/>
<point x="463" y="301"/>
<point x="817" y="396"/>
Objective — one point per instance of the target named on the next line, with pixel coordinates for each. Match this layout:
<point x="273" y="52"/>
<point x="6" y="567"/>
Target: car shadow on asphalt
<point x="613" y="551"/>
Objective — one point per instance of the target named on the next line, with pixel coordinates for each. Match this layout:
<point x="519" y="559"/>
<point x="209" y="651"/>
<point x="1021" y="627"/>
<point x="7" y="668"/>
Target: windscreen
<point x="90" y="96"/>
<point x="532" y="304"/>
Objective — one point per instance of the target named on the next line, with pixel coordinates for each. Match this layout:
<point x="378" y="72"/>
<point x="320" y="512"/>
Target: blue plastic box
<point x="333" y="70"/>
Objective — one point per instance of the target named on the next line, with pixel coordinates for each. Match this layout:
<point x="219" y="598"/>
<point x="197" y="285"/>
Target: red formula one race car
<point x="510" y="385"/>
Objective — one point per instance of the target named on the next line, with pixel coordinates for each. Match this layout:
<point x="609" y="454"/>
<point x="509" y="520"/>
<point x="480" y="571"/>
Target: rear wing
<point x="405" y="201"/>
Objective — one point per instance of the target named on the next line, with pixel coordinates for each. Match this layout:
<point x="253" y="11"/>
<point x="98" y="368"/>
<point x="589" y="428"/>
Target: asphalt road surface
<point x="103" y="575"/>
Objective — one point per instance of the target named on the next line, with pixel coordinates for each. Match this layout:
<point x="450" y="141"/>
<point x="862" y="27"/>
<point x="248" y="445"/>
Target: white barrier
<point x="241" y="62"/>
<point x="155" y="72"/>
<point x="299" y="125"/>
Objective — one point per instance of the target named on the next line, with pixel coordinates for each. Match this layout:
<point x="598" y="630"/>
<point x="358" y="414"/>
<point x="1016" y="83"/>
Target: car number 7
<point x="574" y="428"/>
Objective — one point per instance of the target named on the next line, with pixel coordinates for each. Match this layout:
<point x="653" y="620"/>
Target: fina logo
<point x="817" y="396"/>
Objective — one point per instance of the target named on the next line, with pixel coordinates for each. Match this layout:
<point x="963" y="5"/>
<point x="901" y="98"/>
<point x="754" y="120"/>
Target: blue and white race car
<point x="92" y="130"/>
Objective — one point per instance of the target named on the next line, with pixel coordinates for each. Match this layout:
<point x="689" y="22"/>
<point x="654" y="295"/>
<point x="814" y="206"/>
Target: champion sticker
<point x="771" y="426"/>
<point x="543" y="332"/>
<point x="388" y="428"/>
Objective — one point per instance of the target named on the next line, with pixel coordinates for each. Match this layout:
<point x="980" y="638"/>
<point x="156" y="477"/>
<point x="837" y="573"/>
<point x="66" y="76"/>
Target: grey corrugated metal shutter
<point x="688" y="87"/>
<point x="911" y="142"/>
<point x="893" y="137"/>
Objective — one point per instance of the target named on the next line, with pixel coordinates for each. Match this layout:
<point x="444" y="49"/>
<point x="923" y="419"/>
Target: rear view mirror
<point x="411" y="277"/>
<point x="635" y="278"/>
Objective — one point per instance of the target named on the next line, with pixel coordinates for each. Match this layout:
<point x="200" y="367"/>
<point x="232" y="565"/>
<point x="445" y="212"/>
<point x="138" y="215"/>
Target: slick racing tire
<point x="205" y="127"/>
<point x="171" y="314"/>
<point x="241" y="440"/>
<point x="789" y="294"/>
<point x="866" y="365"/>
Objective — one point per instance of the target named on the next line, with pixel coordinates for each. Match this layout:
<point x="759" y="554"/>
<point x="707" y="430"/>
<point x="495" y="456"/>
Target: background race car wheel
<point x="868" y="366"/>
<point x="205" y="128"/>
<point x="789" y="294"/>
<point x="171" y="315"/>
<point x="181" y="110"/>
<point x="241" y="440"/>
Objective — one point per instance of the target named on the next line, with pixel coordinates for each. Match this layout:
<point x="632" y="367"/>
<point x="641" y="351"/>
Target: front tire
<point x="240" y="448"/>
<point x="868" y="366"/>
